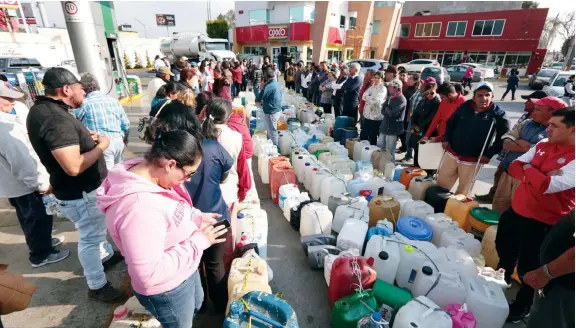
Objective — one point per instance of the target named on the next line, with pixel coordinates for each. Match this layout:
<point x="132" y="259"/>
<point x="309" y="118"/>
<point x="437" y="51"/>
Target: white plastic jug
<point x="253" y="228"/>
<point x="458" y="238"/>
<point x="470" y="244"/>
<point x="487" y="302"/>
<point x="442" y="285"/>
<point x="418" y="187"/>
<point x="412" y="259"/>
<point x="358" y="147"/>
<point x="294" y="201"/>
<point x="460" y="261"/>
<point x="367" y="151"/>
<point x="386" y="255"/>
<point x="265" y="175"/>
<point x="250" y="267"/>
<point x="342" y="163"/>
<point x="317" y="179"/>
<point x="299" y="163"/>
<point x="439" y="222"/>
<point x="391" y="186"/>
<point x="315" y="219"/>
<point x="375" y="183"/>
<point x="451" y="236"/>
<point x="389" y="169"/>
<point x="430" y="153"/>
<point x="358" y="185"/>
<point x="352" y="234"/>
<point x="287" y="191"/>
<point x="358" y="205"/>
<point x="417" y="208"/>
<point x="331" y="186"/>
<point x="257" y="139"/>
<point x="421" y="312"/>
<point x="397" y="194"/>
<point x="329" y="261"/>
<point x="310" y="170"/>
<point x="297" y="152"/>
<point x="285" y="140"/>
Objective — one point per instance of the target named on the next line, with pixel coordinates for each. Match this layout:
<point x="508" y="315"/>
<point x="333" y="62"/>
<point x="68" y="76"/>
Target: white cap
<point x="484" y="85"/>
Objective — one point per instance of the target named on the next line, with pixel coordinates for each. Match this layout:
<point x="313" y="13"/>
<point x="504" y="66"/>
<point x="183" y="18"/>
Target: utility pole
<point x="85" y="45"/>
<point x="26" y="28"/>
<point x="144" y="25"/>
<point x="568" y="60"/>
<point x="42" y="10"/>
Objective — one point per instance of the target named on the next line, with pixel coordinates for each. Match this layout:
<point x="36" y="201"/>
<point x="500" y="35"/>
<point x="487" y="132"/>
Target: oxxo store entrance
<point x="280" y="42"/>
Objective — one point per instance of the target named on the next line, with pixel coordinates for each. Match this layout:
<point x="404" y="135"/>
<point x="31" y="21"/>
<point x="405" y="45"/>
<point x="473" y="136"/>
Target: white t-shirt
<point x="153" y="87"/>
<point x="232" y="142"/>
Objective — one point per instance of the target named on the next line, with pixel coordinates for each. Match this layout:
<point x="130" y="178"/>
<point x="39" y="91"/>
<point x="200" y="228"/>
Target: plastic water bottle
<point x="373" y="321"/>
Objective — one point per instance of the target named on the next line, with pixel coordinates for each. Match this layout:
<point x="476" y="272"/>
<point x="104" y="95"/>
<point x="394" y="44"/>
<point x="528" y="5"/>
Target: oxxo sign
<point x="277" y="32"/>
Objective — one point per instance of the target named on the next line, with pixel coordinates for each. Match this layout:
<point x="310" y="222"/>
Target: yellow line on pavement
<point x="127" y="100"/>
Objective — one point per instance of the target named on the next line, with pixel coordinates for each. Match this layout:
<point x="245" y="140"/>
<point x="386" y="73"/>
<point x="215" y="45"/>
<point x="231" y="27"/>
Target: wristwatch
<point x="547" y="271"/>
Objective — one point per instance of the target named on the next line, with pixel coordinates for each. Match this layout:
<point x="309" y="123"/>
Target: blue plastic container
<point x="266" y="310"/>
<point x="348" y="133"/>
<point x="414" y="228"/>
<point x="354" y="186"/>
<point x="341" y="123"/>
<point x="374" y="231"/>
<point x="397" y="173"/>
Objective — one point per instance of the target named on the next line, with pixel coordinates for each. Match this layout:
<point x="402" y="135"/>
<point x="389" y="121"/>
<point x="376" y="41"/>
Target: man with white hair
<point x="351" y="92"/>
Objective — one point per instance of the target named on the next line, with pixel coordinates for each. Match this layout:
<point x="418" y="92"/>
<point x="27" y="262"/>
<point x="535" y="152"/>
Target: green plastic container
<point x="320" y="151"/>
<point x="350" y="309"/>
<point x="480" y="219"/>
<point x="394" y="297"/>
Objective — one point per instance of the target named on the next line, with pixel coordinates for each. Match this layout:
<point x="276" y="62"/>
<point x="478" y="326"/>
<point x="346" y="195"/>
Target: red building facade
<point x="502" y="39"/>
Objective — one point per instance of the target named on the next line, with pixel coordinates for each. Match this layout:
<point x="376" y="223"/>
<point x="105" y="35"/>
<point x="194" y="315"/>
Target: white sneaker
<point x="53" y="258"/>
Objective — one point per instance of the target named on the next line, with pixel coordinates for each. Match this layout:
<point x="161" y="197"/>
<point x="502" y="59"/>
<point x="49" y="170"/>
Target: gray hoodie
<point x="393" y="110"/>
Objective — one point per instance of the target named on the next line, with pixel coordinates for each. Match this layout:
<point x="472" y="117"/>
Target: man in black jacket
<point x="338" y="96"/>
<point x="422" y="115"/>
<point x="351" y="93"/>
<point x="467" y="130"/>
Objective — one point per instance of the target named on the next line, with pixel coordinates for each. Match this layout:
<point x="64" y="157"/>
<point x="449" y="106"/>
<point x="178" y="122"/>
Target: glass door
<point x="275" y="54"/>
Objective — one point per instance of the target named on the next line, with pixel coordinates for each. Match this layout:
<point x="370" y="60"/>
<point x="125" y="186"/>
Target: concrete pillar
<point x="85" y="45"/>
<point x="43" y="14"/>
<point x="319" y="30"/>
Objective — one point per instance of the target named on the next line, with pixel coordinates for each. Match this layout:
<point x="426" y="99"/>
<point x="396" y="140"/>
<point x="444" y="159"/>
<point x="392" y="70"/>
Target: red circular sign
<point x="71" y="8"/>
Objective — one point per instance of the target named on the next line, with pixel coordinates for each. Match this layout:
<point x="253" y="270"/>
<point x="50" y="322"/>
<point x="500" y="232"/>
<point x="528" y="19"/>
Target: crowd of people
<point x="172" y="213"/>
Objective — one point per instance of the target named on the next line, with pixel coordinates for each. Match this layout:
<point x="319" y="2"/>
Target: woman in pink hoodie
<point x="150" y="216"/>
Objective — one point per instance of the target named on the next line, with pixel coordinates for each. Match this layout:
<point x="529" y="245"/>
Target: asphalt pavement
<point x="61" y="296"/>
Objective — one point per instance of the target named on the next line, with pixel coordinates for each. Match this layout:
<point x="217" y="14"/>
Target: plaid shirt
<point x="522" y="118"/>
<point x="103" y="114"/>
<point x="415" y="100"/>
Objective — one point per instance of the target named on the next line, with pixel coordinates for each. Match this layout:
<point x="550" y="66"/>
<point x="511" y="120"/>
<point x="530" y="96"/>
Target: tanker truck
<point x="196" y="48"/>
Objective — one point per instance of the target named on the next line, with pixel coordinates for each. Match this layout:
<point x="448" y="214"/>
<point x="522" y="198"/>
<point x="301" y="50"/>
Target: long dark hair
<point x="167" y="89"/>
<point x="202" y="99"/>
<point x="176" y="116"/>
<point x="203" y="65"/>
<point x="177" y="145"/>
<point x="218" y="111"/>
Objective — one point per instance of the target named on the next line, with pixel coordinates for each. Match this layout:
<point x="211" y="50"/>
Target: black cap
<point x="539" y="94"/>
<point x="57" y="77"/>
<point x="383" y="255"/>
<point x="427" y="270"/>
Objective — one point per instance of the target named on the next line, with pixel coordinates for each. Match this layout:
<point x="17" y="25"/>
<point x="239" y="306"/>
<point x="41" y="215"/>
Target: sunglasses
<point x="187" y="174"/>
<point x="428" y="94"/>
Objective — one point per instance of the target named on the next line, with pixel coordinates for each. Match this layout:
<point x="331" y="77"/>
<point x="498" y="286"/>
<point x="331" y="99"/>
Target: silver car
<point x="457" y="73"/>
<point x="556" y="85"/>
<point x="366" y="64"/>
<point x="541" y="78"/>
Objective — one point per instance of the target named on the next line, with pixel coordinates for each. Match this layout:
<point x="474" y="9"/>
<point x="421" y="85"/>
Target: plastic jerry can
<point x="299" y="165"/>
<point x="313" y="148"/>
<point x="329" y="261"/>
<point x="365" y="167"/>
<point x="383" y="207"/>
<point x="386" y="255"/>
<point x="439" y="222"/>
<point x="380" y="159"/>
<point x="382" y="228"/>
<point x="487" y="301"/>
<point x="281" y="174"/>
<point x="458" y="208"/>
<point x="317" y="254"/>
<point x="315" y="219"/>
<point x="265" y="174"/>
<point x="352" y="234"/>
<point x="317" y="240"/>
<point x="252" y="226"/>
<point x="296" y="214"/>
<point x="350" y="146"/>
<point x="394" y="297"/>
<point x="414" y="228"/>
<point x="287" y="191"/>
<point x="260" y="307"/>
<point x="442" y="287"/>
<point x="408" y="174"/>
<point x="489" y="247"/>
<point x="418" y="187"/>
<point x="310" y="170"/>
<point x="241" y="289"/>
<point x="398" y="194"/>
<point x="249" y="268"/>
<point x="316" y="190"/>
<point x="450" y="237"/>
<point x="367" y="152"/>
<point x="358" y="147"/>
<point x="460" y="261"/>
<point x="422" y="313"/>
<point x="347" y="133"/>
<point x="318" y="152"/>
<point x="289" y="203"/>
<point x="375" y="183"/>
<point x="350" y="309"/>
<point x="495" y="276"/>
<point x="411" y="260"/>
<point x="480" y="219"/>
<point x="461" y="317"/>
<point x="355" y="186"/>
<point x="337" y="200"/>
<point x="358" y="205"/>
<point x="326" y="140"/>
<point x="277" y="160"/>
<point x="437" y="197"/>
<point x="343" y="280"/>
<point x="285" y="140"/>
<point x="397" y="172"/>
<point x="297" y="152"/>
<point x="417" y="208"/>
<point x="331" y="186"/>
<point x="392" y="186"/>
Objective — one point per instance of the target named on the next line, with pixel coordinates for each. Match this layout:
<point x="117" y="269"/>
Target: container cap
<point x="376" y="316"/>
<point x="240" y="215"/>
<point x="307" y="164"/>
<point x="427" y="270"/>
<point x="414" y="228"/>
<point x="300" y="157"/>
<point x="485" y="215"/>
<point x="383" y="255"/>
<point x="366" y="148"/>
<point x="120" y="311"/>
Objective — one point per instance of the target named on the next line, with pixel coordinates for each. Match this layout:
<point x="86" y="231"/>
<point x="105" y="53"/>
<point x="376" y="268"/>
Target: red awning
<point x="334" y="36"/>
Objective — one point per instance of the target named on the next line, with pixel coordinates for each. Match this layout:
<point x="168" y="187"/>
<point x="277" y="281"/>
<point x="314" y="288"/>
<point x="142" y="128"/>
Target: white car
<point x="556" y="85"/>
<point x="366" y="64"/>
<point x="417" y="65"/>
<point x="488" y="71"/>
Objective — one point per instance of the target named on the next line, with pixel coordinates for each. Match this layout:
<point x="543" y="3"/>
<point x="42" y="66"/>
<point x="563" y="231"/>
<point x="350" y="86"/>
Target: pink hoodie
<point x="156" y="229"/>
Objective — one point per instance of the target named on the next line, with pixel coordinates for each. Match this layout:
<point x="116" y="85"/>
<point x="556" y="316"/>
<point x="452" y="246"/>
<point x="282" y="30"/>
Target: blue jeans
<point x="272" y="126"/>
<point x="386" y="142"/>
<point x="92" y="244"/>
<point x="257" y="91"/>
<point x="176" y="308"/>
<point x="508" y="89"/>
<point x="113" y="154"/>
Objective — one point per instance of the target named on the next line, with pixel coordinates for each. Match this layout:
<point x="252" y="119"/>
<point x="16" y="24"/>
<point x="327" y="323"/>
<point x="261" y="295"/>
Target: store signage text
<point x="277" y="32"/>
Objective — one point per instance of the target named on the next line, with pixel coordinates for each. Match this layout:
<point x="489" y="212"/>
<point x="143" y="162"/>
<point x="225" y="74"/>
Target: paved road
<point x="61" y="301"/>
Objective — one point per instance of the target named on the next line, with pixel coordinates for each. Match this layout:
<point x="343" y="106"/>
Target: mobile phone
<point x="223" y="222"/>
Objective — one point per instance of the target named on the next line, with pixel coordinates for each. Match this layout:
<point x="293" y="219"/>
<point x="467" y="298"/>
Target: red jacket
<point x="541" y="197"/>
<point x="445" y="110"/>
<point x="365" y="87"/>
<point x="237" y="123"/>
<point x="222" y="89"/>
<point x="236" y="74"/>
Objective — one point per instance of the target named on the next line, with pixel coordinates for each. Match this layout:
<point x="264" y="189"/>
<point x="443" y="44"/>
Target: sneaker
<point x="106" y="294"/>
<point x="485" y="198"/>
<point x="112" y="260"/>
<point x="53" y="258"/>
<point x="518" y="313"/>
<point x="56" y="241"/>
<point x="407" y="160"/>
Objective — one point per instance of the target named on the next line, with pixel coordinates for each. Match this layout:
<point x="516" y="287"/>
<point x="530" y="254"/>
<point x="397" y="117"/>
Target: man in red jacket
<point x="545" y="195"/>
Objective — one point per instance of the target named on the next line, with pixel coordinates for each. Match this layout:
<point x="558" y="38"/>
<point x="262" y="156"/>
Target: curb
<point x="129" y="99"/>
<point x="522" y="79"/>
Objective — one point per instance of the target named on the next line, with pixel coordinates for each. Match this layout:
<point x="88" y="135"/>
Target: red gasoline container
<point x="282" y="173"/>
<point x="343" y="282"/>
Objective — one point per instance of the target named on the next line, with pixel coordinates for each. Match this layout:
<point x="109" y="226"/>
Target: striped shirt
<point x="103" y="114"/>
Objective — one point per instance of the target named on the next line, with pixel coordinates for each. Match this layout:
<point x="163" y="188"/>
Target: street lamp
<point x="144" y="25"/>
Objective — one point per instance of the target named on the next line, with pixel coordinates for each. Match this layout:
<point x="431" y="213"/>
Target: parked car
<point x="366" y="64"/>
<point x="556" y="65"/>
<point x="17" y="64"/>
<point x="457" y="73"/>
<point x="557" y="81"/>
<point x="439" y="73"/>
<point x="417" y="65"/>
<point x="541" y="78"/>
<point x="488" y="71"/>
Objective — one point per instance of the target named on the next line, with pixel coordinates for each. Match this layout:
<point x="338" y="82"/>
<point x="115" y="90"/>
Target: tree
<point x="127" y="62"/>
<point x="137" y="63"/>
<point x="230" y="18"/>
<point x="217" y="28"/>
<point x="566" y="30"/>
<point x="530" y="4"/>
<point x="148" y="61"/>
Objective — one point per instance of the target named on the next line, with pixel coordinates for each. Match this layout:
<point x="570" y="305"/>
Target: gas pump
<point x="119" y="75"/>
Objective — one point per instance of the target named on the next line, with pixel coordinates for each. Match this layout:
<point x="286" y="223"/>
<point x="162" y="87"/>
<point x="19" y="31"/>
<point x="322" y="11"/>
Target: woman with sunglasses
<point x="152" y="220"/>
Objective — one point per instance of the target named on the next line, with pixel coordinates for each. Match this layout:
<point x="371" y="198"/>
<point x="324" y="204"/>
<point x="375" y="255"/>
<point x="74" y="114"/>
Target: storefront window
<point x="456" y="28"/>
<point x="352" y="23"/>
<point x="404" y="30"/>
<point x="477" y="57"/>
<point x="309" y="54"/>
<point x="259" y="17"/>
<point x="297" y="14"/>
<point x="255" y="51"/>
<point x="342" y="21"/>
<point x="488" y="27"/>
<point x="428" y="30"/>
<point x="376" y="27"/>
<point x="349" y="53"/>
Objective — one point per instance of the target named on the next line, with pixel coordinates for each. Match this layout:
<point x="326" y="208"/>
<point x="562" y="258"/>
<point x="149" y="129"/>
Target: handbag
<point x="145" y="125"/>
<point x="15" y="291"/>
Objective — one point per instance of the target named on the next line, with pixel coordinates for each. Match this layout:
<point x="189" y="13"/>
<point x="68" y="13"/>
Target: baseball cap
<point x="539" y="94"/>
<point x="430" y="79"/>
<point x="165" y="70"/>
<point x="484" y="85"/>
<point x="193" y="64"/>
<point x="7" y="91"/>
<point x="183" y="58"/>
<point x="58" y="77"/>
<point x="550" y="101"/>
